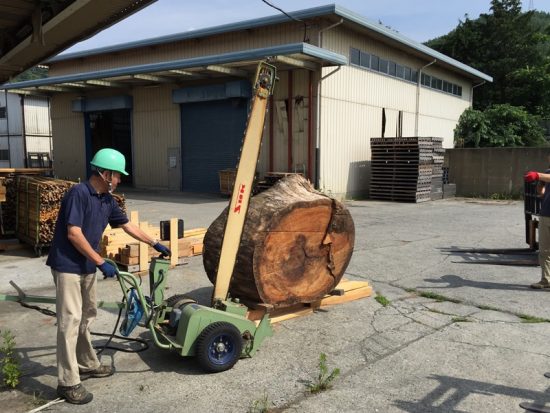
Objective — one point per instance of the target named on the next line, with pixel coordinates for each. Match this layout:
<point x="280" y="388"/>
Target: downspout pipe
<point x="24" y="132"/>
<point x="418" y="83"/>
<point x="472" y="91"/>
<point x="318" y="105"/>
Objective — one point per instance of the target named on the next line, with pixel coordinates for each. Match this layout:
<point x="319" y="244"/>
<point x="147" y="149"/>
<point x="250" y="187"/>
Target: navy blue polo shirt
<point x="83" y="207"/>
<point x="545" y="206"/>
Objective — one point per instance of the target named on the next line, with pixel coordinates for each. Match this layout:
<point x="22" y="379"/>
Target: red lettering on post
<point x="237" y="209"/>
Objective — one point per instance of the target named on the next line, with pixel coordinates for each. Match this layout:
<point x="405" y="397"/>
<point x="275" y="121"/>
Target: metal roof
<point x="384" y="33"/>
<point x="31" y="30"/>
<point x="233" y="64"/>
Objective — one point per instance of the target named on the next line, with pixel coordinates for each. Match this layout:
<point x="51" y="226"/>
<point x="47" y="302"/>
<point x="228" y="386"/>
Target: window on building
<point x="2" y="112"/>
<point x="399" y="70"/>
<point x="374" y="62"/>
<point x="370" y="61"/>
<point x="354" y="56"/>
<point x="4" y="155"/>
<point x="383" y="66"/>
<point x="365" y="59"/>
<point x="407" y="74"/>
<point x="391" y="68"/>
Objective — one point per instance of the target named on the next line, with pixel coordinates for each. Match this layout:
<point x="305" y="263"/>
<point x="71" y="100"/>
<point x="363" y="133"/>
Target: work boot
<point x="75" y="394"/>
<point x="101" y="371"/>
<point x="540" y="285"/>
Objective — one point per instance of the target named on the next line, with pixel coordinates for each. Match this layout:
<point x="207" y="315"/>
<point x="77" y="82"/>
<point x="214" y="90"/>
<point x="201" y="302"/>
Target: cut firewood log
<point x="295" y="247"/>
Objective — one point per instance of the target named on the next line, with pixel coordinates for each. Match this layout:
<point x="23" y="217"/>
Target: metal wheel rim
<point x="221" y="349"/>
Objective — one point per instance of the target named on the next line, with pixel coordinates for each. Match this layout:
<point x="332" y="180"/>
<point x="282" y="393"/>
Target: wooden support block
<point x="134" y="217"/>
<point x="194" y="232"/>
<point x="143" y="249"/>
<point x="174" y="241"/>
<point x="353" y="290"/>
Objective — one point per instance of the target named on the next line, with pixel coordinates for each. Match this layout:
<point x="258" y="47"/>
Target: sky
<point x="419" y="20"/>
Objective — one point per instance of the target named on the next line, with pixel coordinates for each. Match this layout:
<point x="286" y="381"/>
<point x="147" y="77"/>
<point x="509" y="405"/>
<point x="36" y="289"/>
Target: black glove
<point x="108" y="269"/>
<point x="164" y="251"/>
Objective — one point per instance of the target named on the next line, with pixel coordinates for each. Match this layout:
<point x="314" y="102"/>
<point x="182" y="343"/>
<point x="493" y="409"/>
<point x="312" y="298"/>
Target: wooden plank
<point x="193" y="232"/>
<point x="134" y="217"/>
<point x="143" y="248"/>
<point x="353" y="290"/>
<point x="174" y="241"/>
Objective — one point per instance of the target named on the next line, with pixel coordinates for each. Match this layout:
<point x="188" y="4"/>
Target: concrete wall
<point x="488" y="171"/>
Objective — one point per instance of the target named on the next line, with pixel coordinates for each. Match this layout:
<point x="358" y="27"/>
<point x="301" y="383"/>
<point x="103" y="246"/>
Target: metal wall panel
<point x="69" y="149"/>
<point x="14" y="119"/>
<point x="352" y="100"/>
<point x="156" y="127"/>
<point x="37" y="116"/>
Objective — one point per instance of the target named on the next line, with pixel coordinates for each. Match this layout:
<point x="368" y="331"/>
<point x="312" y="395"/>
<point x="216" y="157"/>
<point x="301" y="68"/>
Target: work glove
<point x="531" y="176"/>
<point x="164" y="251"/>
<point x="107" y="269"/>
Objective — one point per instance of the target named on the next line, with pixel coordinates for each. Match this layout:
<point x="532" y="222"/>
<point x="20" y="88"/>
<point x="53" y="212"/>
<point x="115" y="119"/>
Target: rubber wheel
<point x="219" y="346"/>
<point x="175" y="299"/>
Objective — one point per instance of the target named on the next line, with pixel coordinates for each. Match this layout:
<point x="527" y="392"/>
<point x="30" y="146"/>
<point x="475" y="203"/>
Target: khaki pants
<point x="544" y="248"/>
<point x="76" y="309"/>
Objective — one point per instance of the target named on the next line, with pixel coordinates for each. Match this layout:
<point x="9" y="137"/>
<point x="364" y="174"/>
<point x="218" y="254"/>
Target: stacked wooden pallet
<point x="437" y="168"/>
<point x="406" y="169"/>
<point x="270" y="179"/>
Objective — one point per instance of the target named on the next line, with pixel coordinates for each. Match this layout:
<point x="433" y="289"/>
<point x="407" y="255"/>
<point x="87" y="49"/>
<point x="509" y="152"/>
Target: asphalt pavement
<point x="456" y="334"/>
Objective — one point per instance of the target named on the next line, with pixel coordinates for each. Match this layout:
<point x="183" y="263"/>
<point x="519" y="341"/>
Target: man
<point x="85" y="211"/>
<point x="543" y="189"/>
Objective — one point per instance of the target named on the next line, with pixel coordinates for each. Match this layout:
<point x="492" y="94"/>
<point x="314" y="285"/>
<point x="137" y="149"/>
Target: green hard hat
<point x="110" y="159"/>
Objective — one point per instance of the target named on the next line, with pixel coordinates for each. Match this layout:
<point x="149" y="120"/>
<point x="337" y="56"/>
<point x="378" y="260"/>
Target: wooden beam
<point x="227" y="70"/>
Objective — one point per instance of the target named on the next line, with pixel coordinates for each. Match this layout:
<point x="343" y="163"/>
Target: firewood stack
<point x="38" y="200"/>
<point x="8" y="207"/>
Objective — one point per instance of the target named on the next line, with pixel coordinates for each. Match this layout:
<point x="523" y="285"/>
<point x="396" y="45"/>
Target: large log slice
<point x="295" y="247"/>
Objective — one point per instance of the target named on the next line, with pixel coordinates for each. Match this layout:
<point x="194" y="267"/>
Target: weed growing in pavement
<point x="259" y="406"/>
<point x="437" y="297"/>
<point x="324" y="379"/>
<point x="9" y="361"/>
<point x="38" y="399"/>
<point x="487" y="307"/>
<point x="531" y="319"/>
<point x="382" y="300"/>
<point x="461" y="320"/>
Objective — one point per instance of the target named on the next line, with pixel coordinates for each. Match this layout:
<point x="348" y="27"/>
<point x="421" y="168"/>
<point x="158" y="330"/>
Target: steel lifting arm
<point x="238" y="207"/>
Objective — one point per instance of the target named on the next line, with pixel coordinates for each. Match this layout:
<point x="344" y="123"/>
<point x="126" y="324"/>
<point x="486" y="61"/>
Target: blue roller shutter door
<point x="212" y="134"/>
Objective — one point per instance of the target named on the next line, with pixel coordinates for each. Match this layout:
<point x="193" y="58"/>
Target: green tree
<point x="36" y="72"/>
<point x="498" y="43"/>
<point x="472" y="129"/>
<point x="498" y="126"/>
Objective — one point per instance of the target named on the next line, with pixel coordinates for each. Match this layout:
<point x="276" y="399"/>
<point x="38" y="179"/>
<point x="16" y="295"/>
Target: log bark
<point x="295" y="247"/>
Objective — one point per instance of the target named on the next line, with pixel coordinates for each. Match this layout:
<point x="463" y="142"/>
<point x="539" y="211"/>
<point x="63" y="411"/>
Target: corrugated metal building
<point x="25" y="131"/>
<point x="176" y="105"/>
